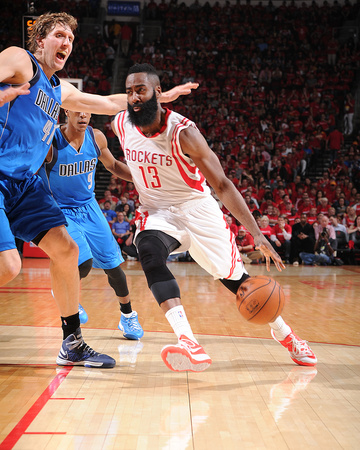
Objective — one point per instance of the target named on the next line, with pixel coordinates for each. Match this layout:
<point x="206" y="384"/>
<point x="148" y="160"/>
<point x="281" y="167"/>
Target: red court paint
<point x="20" y="428"/>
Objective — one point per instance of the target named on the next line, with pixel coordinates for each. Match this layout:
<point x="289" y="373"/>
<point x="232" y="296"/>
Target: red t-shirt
<point x="279" y="232"/>
<point x="292" y="219"/>
<point x="246" y="240"/>
<point x="267" y="231"/>
<point x="311" y="220"/>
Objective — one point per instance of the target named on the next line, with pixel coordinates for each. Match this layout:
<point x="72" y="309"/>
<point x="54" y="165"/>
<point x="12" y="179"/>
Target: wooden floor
<point x="252" y="397"/>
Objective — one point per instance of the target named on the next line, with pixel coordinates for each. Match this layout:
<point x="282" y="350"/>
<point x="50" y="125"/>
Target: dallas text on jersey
<point x="77" y="168"/>
<point x="47" y="104"/>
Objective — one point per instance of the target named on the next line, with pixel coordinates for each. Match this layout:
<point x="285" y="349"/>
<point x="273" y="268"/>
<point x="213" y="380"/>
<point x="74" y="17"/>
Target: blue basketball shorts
<point x="26" y="209"/>
<point x="89" y="228"/>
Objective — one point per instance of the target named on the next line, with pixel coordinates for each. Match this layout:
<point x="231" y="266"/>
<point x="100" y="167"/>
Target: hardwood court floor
<point x="252" y="397"/>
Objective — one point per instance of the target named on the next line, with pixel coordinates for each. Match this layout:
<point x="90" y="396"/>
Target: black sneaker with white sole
<point x="75" y="352"/>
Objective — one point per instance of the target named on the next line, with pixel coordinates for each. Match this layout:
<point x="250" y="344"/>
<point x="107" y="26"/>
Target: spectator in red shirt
<point x="293" y="218"/>
<point x="250" y="202"/>
<point x="289" y="213"/>
<point x="130" y="189"/>
<point x="264" y="207"/>
<point x="356" y="204"/>
<point x="126" y="36"/>
<point x="324" y="181"/>
<point x="305" y="206"/>
<point x="284" y="202"/>
<point x="108" y="196"/>
<point x="265" y="228"/>
<point x="312" y="217"/>
<point x="305" y="199"/>
<point x="232" y="225"/>
<point x="273" y="214"/>
<point x="281" y="239"/>
<point x="334" y="143"/>
<point x="330" y="191"/>
<point x="246" y="246"/>
<point x="349" y="218"/>
<point x="324" y="206"/>
<point x="110" y="135"/>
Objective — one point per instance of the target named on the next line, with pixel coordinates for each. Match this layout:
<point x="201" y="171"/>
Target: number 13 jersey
<point x="163" y="175"/>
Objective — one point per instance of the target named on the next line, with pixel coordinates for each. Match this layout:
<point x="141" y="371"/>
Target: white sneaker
<point x="299" y="350"/>
<point x="185" y="355"/>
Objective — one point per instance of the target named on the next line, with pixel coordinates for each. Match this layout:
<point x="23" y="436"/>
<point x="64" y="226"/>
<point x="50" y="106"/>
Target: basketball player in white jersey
<point x="171" y="163"/>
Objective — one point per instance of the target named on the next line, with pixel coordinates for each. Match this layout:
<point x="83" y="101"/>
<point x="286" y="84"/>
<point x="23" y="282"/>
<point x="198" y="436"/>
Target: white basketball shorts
<point x="201" y="229"/>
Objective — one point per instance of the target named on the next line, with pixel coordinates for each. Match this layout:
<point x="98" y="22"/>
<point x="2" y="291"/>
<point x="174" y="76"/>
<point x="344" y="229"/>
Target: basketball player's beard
<point x="146" y="115"/>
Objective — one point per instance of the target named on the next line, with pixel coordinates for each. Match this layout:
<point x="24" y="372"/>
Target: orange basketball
<point x="260" y="299"/>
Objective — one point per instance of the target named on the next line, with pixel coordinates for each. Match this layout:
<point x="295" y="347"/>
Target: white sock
<point x="128" y="315"/>
<point x="281" y="329"/>
<point x="179" y="323"/>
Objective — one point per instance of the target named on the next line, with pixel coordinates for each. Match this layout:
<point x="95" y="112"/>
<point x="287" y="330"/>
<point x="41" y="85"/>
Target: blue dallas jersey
<point x="71" y="173"/>
<point x="27" y="125"/>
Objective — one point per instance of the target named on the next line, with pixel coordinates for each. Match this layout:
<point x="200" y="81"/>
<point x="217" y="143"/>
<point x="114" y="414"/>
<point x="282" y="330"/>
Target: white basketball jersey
<point x="163" y="175"/>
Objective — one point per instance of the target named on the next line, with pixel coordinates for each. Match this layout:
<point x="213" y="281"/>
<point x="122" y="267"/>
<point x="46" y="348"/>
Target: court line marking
<point x="20" y="428"/>
<point x="84" y="326"/>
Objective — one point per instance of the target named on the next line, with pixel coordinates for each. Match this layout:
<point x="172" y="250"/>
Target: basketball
<point x="260" y="299"/>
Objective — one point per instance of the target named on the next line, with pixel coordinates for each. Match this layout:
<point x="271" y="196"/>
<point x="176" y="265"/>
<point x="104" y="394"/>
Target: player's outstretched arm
<point x="194" y="144"/>
<point x="177" y="91"/>
<point x="110" y="105"/>
<point x="76" y="100"/>
<point x="114" y="166"/>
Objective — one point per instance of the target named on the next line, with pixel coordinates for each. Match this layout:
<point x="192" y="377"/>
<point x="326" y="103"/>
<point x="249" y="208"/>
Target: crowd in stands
<point x="276" y="94"/>
<point x="299" y="220"/>
<point x="119" y="204"/>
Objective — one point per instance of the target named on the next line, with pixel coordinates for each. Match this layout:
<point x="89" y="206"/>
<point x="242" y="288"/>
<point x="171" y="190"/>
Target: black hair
<point x="144" y="68"/>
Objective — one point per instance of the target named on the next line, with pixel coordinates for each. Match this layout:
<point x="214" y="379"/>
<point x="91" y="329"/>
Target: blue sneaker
<point x="74" y="352"/>
<point x="82" y="314"/>
<point x="130" y="326"/>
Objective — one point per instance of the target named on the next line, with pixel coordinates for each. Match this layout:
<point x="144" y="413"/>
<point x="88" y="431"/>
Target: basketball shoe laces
<point x="79" y="346"/>
<point x="299" y="347"/>
<point x="133" y="324"/>
<point x="192" y="346"/>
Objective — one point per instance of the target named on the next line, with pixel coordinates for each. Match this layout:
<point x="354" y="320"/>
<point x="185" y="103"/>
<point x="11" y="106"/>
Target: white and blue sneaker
<point x="74" y="352"/>
<point x="130" y="326"/>
<point x="82" y="314"/>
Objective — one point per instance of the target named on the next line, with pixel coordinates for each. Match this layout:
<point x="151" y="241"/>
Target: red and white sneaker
<point x="299" y="350"/>
<point x="185" y="355"/>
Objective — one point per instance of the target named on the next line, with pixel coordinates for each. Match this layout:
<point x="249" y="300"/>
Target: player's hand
<point x="11" y="92"/>
<point x="262" y="244"/>
<point x="174" y="93"/>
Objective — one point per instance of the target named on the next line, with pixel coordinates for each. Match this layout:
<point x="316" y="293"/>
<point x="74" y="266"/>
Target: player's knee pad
<point x="233" y="285"/>
<point x="84" y="268"/>
<point x="153" y="253"/>
<point x="117" y="280"/>
<point x="165" y="290"/>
